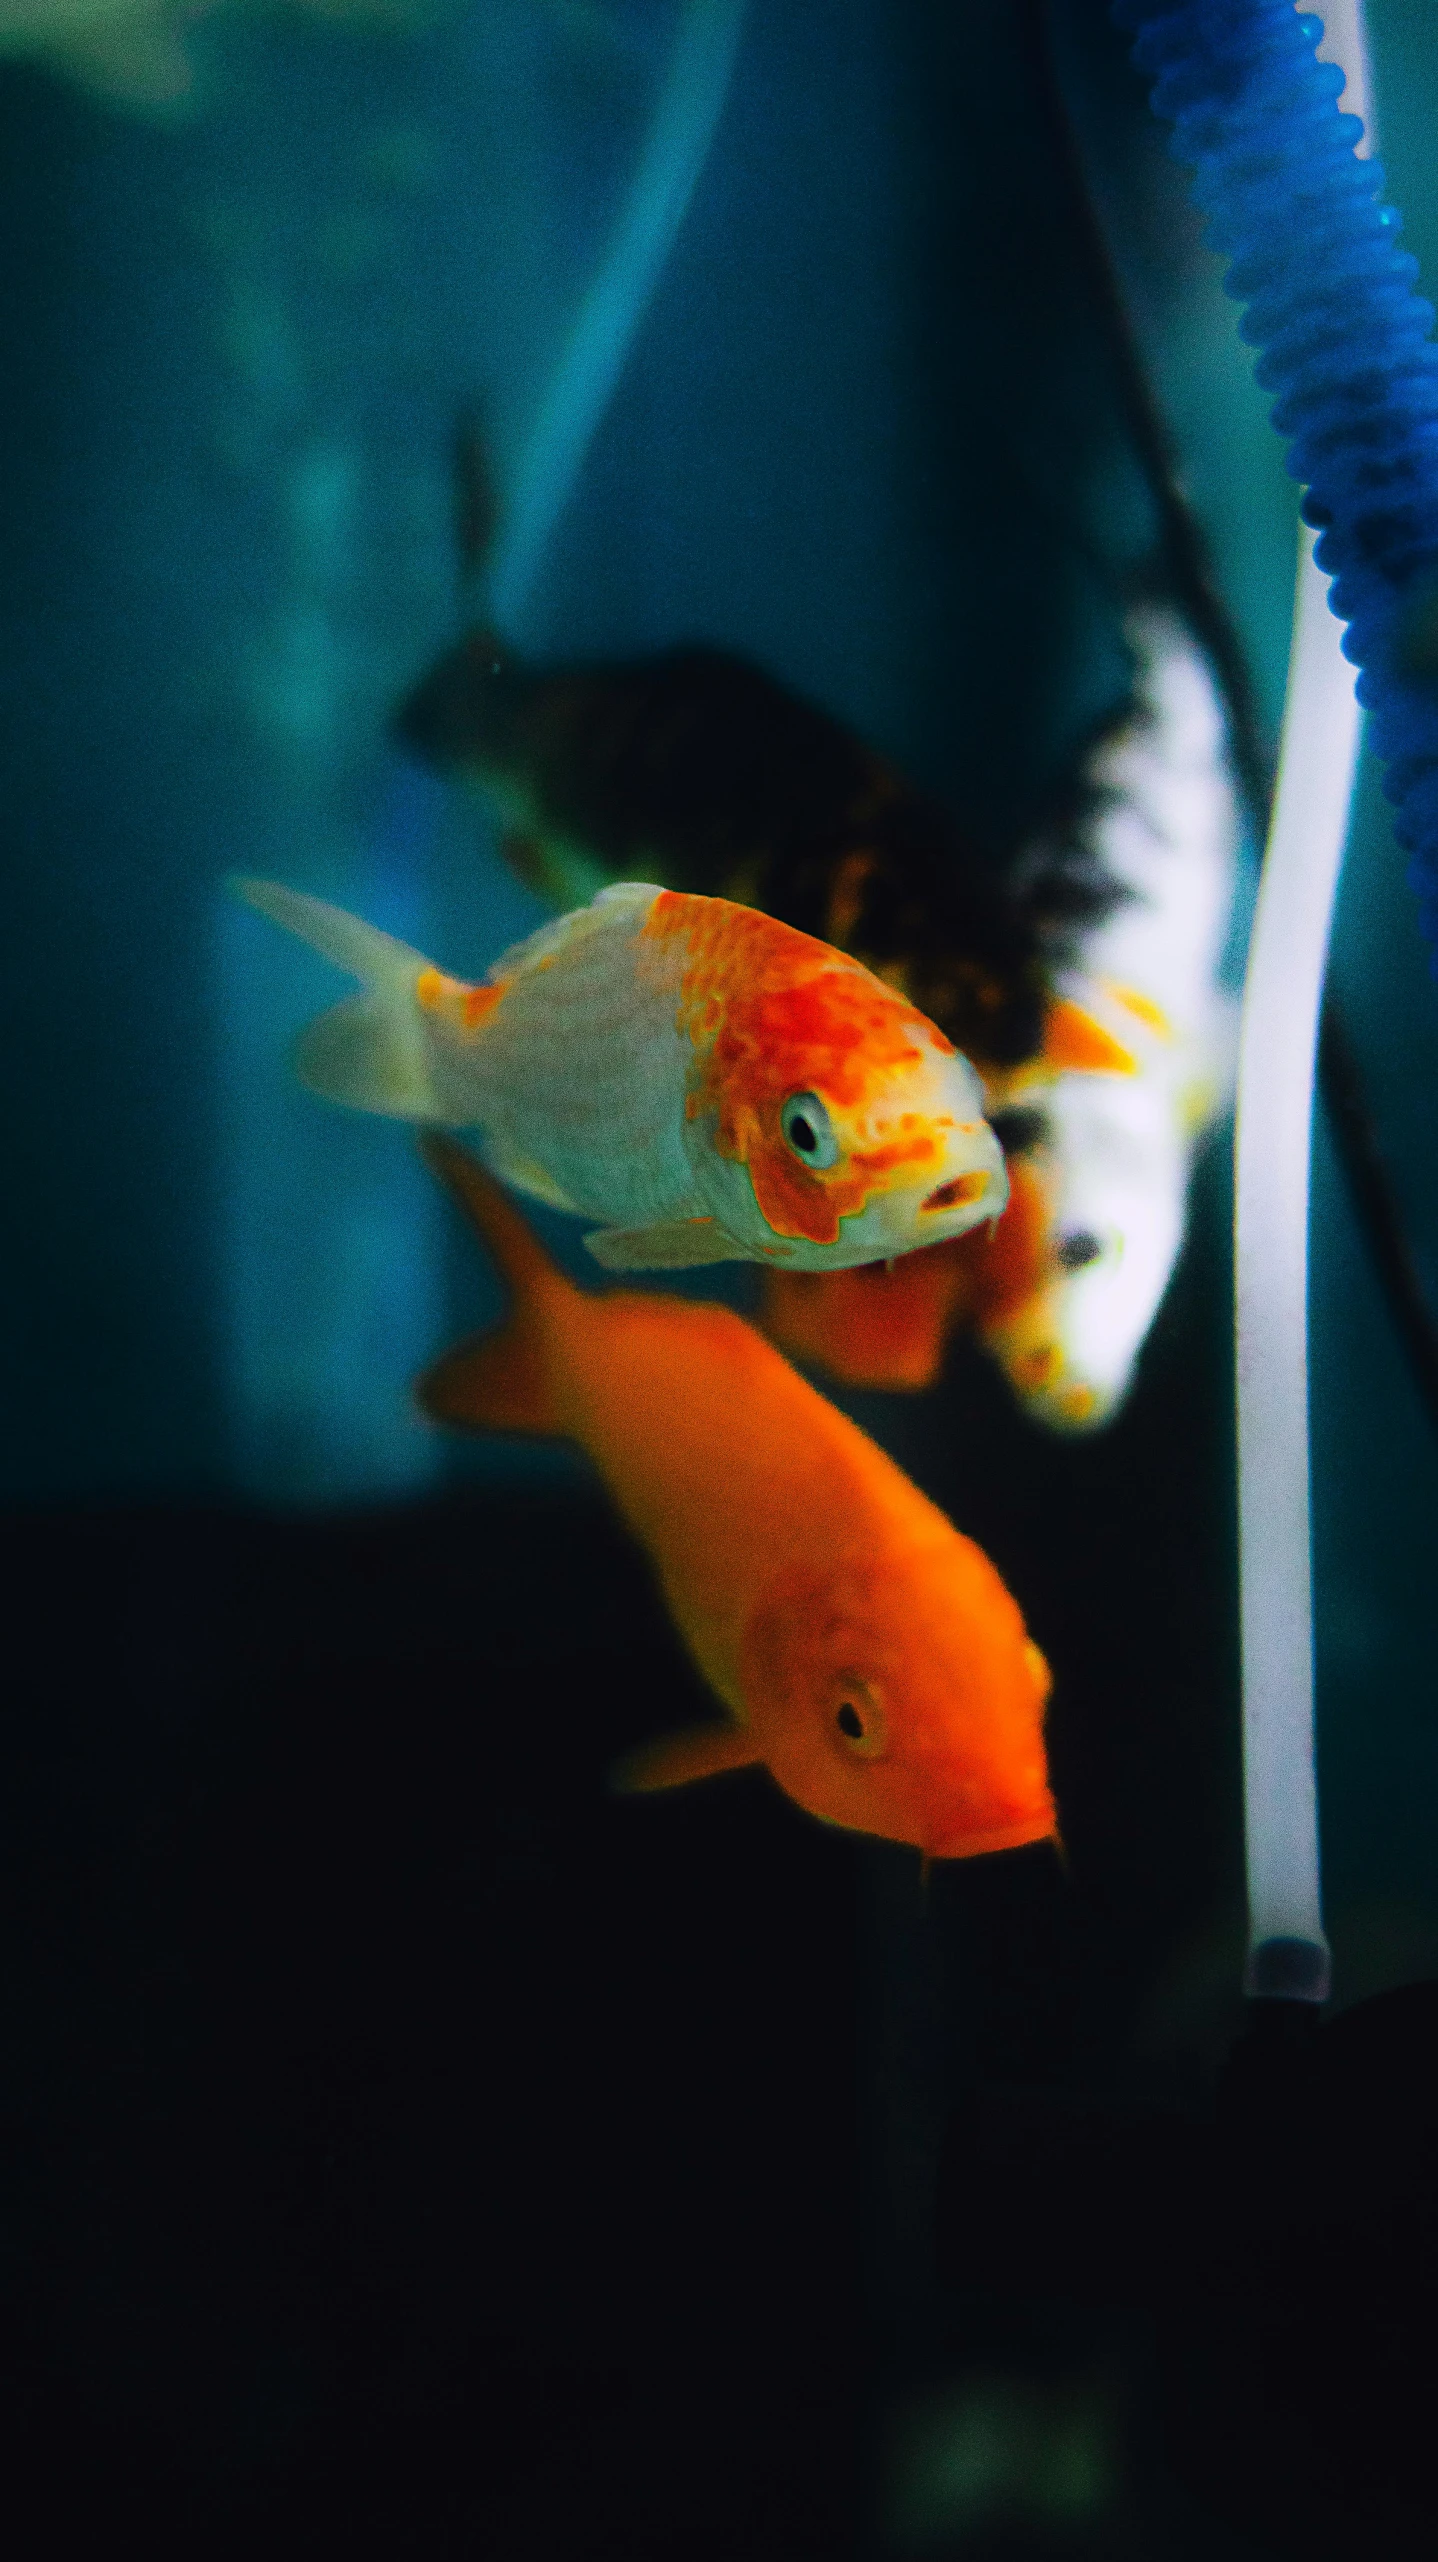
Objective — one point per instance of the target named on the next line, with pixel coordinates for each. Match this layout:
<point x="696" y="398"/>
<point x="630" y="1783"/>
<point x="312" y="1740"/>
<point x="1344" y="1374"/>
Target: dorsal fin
<point x="607" y="907"/>
<point x="1074" y="1038"/>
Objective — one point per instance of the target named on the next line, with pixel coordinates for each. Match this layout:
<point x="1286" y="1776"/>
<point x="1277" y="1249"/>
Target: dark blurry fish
<point x="869" y="1656"/>
<point x="696" y="769"/>
<point x="1084" y="982"/>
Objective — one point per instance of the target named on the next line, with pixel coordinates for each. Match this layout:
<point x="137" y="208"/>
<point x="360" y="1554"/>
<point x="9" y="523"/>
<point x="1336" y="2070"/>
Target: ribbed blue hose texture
<point x="1331" y="302"/>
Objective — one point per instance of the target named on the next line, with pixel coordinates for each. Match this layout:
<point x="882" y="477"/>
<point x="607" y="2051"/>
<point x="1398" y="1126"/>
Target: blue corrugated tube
<point x="1344" y="335"/>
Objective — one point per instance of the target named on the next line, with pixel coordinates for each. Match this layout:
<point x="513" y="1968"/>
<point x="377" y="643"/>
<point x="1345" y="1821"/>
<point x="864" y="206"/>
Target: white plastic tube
<point x="1287" y="1949"/>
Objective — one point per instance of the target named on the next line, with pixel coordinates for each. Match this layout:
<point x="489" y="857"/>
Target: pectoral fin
<point x="528" y="1176"/>
<point x="493" y="1383"/>
<point x="674" y="1246"/>
<point x="698" y="1752"/>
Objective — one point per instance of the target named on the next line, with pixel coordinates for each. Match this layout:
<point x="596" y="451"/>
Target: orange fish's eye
<point x="809" y="1132"/>
<point x="858" y="1717"/>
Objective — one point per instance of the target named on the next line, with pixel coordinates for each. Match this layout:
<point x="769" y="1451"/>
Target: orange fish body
<point x="869" y="1655"/>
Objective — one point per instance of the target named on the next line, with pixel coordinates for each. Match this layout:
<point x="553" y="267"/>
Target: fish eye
<point x="858" y="1717"/>
<point x="1079" y="1247"/>
<point x="809" y="1131"/>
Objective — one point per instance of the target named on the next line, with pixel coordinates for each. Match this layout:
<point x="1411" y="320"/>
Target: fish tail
<point x="502" y="1381"/>
<point x="373" y="1051"/>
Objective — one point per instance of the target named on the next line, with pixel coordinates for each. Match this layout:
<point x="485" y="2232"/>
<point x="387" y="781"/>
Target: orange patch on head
<point x="915" y="1148"/>
<point x="1037" y="1367"/>
<point x="772" y="1012"/>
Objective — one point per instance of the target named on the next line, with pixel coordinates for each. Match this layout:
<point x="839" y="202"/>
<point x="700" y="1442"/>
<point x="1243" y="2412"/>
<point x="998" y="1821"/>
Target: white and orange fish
<point x="1136" y="1066"/>
<point x="707" y="1084"/>
<point x="1107" y="1179"/>
<point x="869" y="1656"/>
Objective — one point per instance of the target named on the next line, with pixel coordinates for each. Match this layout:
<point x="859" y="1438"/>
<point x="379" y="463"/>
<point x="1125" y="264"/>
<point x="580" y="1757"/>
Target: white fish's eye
<point x="809" y="1131"/>
<point x="1079" y="1247"/>
<point x="858" y="1717"/>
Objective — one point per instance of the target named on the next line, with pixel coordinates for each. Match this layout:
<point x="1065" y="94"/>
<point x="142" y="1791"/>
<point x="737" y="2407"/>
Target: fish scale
<point x="615" y="1142"/>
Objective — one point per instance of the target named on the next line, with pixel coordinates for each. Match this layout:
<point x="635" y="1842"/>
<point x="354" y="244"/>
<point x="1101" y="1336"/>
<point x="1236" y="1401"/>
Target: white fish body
<point x="1117" y="1156"/>
<point x="587" y="1061"/>
<point x="575" y="1083"/>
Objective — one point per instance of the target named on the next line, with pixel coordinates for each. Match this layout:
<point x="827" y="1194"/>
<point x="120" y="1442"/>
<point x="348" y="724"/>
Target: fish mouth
<point x="959" y="1192"/>
<point x="1042" y="1826"/>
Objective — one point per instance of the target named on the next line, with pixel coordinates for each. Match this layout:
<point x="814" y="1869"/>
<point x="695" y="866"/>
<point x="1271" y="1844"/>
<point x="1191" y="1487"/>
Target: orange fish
<point x="869" y="1656"/>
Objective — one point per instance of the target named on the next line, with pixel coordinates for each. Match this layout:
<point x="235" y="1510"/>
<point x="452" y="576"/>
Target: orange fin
<point x="499" y="1381"/>
<point x="493" y="1383"/>
<point x="878" y="1325"/>
<point x="515" y="1248"/>
<point x="697" y="1752"/>
<point x="1074" y="1038"/>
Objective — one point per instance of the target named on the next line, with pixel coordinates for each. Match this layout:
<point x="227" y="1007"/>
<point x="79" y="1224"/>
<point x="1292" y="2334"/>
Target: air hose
<point x="1331" y="303"/>
<point x="1343" y="337"/>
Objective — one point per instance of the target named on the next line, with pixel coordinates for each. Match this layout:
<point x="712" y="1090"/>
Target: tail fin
<point x="371" y="1051"/>
<point x="500" y="1381"/>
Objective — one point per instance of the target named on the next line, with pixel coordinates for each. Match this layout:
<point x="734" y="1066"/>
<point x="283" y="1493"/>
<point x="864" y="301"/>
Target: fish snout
<point x="1007" y="1829"/>
<point x="993" y="1793"/>
<point x="975" y="1845"/>
<point x="1047" y="1384"/>
<point x="959" y="1192"/>
<point x="1005" y="1813"/>
<point x="975" y="1182"/>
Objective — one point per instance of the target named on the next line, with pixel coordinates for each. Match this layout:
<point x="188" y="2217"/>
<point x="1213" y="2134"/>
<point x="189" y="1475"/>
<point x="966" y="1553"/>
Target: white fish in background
<point x="1100" y="1199"/>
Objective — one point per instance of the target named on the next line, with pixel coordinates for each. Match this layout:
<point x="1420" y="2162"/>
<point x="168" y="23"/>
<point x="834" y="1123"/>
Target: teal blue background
<point x="867" y="432"/>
